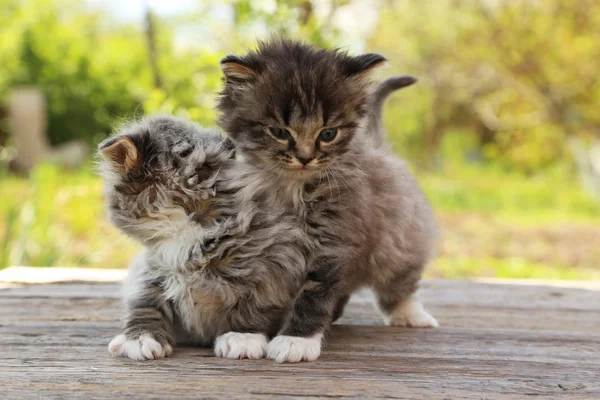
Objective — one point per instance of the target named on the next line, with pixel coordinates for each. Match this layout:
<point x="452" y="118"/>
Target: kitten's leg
<point x="400" y="306"/>
<point x="252" y="328"/>
<point x="302" y="334"/>
<point x="339" y="308"/>
<point x="239" y="345"/>
<point x="148" y="330"/>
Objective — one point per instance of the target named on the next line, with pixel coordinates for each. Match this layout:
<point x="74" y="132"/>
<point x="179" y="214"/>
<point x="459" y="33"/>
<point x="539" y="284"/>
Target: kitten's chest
<point x="200" y="303"/>
<point x="318" y="207"/>
<point x="200" y="306"/>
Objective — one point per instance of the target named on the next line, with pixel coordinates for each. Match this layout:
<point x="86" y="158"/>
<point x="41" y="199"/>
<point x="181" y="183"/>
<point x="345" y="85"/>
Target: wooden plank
<point x="391" y="341"/>
<point x="37" y="275"/>
<point x="359" y="361"/>
<point x="20" y="309"/>
<point x="63" y="291"/>
<point x="360" y="311"/>
<point x="496" y="342"/>
<point x="441" y="292"/>
<point x="454" y="303"/>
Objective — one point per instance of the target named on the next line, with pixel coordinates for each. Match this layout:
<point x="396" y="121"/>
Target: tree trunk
<point x="152" y="52"/>
<point x="28" y="118"/>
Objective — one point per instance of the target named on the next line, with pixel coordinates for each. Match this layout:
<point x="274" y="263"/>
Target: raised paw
<point x="238" y="345"/>
<point x="293" y="349"/>
<point x="412" y="314"/>
<point x="144" y="347"/>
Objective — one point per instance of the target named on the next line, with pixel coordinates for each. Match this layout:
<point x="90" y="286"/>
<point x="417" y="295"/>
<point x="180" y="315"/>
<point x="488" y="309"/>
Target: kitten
<point x="301" y="116"/>
<point x="222" y="263"/>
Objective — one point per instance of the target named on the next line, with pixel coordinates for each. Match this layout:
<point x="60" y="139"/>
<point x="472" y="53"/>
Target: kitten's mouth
<point x="304" y="168"/>
<point x="303" y="171"/>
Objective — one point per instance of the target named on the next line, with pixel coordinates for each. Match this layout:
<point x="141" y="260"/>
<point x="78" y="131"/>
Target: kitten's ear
<point x="363" y="64"/>
<point x="122" y="152"/>
<point x="228" y="145"/>
<point x="237" y="69"/>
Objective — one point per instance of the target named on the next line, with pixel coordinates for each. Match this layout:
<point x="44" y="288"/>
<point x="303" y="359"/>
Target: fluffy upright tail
<point x="374" y="126"/>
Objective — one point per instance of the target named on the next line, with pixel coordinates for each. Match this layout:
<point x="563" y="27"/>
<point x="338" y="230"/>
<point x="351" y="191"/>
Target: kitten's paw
<point x="142" y="348"/>
<point x="417" y="320"/>
<point x="241" y="345"/>
<point x="412" y="314"/>
<point x="294" y="349"/>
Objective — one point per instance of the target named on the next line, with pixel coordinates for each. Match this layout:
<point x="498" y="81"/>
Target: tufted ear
<point x="363" y="64"/>
<point x="228" y="145"/>
<point x="122" y="153"/>
<point x="237" y="69"/>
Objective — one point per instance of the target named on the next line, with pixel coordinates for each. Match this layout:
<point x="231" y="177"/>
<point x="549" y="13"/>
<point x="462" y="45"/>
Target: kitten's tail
<point x="374" y="126"/>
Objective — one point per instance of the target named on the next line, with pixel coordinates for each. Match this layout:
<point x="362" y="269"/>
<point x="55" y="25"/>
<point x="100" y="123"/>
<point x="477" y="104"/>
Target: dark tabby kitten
<point x="300" y="115"/>
<point x="222" y="262"/>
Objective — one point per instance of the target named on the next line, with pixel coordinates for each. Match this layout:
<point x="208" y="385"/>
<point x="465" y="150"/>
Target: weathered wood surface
<point x="495" y="341"/>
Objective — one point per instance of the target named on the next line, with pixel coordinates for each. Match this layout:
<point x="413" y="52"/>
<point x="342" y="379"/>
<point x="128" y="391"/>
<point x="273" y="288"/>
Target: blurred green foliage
<point x="515" y="78"/>
<point x="94" y="74"/>
<point x="503" y="85"/>
<point x="56" y="217"/>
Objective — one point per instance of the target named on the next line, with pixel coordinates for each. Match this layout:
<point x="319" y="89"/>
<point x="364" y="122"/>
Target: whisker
<point x="327" y="171"/>
<point x="339" y="175"/>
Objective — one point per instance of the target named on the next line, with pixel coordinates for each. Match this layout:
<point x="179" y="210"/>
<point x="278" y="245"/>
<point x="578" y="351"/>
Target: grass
<point x="554" y="197"/>
<point x="56" y="217"/>
<point x="508" y="225"/>
<point x="466" y="267"/>
<point x="494" y="223"/>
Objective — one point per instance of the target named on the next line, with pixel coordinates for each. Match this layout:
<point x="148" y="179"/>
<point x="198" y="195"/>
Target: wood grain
<point x="495" y="342"/>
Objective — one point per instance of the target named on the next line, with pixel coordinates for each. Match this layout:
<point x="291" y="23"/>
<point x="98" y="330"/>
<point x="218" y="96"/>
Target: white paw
<point x="241" y="345"/>
<point x="142" y="348"/>
<point x="294" y="349"/>
<point x="411" y="313"/>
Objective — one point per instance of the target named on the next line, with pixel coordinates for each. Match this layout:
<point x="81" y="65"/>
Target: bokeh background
<point x="502" y="130"/>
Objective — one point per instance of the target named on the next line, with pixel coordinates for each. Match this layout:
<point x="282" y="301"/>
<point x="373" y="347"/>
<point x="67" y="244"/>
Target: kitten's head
<point x="290" y="106"/>
<point x="159" y="171"/>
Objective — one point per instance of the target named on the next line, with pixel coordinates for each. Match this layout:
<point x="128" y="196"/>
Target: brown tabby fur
<point x="370" y="223"/>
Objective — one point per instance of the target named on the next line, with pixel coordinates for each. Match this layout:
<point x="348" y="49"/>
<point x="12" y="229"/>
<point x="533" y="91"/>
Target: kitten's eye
<point x="327" y="135"/>
<point x="186" y="152"/>
<point x="280" y="133"/>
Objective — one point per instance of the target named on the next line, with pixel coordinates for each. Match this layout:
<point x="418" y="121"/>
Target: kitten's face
<point x="158" y="171"/>
<point x="291" y="107"/>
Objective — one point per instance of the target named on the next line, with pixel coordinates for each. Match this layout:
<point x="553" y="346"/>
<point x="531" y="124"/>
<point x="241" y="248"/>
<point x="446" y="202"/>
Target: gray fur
<point x="374" y="127"/>
<point x="221" y="254"/>
<point x="372" y="224"/>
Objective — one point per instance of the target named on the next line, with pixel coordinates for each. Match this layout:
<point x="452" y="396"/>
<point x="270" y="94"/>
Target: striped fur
<point x="221" y="254"/>
<point x="371" y="224"/>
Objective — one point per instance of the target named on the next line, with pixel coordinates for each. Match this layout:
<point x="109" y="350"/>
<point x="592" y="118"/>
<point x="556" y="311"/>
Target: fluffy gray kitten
<point x="301" y="116"/>
<point x="222" y="261"/>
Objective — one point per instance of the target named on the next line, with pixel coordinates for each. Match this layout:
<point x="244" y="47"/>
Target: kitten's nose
<point x="303" y="160"/>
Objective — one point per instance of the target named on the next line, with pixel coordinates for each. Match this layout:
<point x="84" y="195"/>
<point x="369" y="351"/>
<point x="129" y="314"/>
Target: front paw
<point x="294" y="349"/>
<point x="412" y="314"/>
<point x="143" y="347"/>
<point x="420" y="319"/>
<point x="238" y="345"/>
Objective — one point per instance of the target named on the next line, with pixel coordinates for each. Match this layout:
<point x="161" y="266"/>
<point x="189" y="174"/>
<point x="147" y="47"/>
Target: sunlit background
<point x="503" y="128"/>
